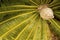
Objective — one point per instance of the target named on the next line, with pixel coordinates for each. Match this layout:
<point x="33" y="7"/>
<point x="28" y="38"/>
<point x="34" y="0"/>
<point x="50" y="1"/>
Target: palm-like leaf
<point x="20" y="20"/>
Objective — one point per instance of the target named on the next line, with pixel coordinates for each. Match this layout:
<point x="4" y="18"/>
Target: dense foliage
<point x="20" y="20"/>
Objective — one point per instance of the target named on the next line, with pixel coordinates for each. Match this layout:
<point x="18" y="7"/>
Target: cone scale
<point x="46" y="13"/>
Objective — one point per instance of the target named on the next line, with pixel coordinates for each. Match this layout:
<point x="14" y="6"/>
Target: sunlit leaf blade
<point x="22" y="14"/>
<point x="17" y="7"/>
<point x="37" y="35"/>
<point x="42" y="31"/>
<point x="19" y="20"/>
<point x="32" y="1"/>
<point x="8" y="14"/>
<point x="20" y="30"/>
<point x="46" y="33"/>
<point x="14" y="10"/>
<point x="22" y="6"/>
<point x="57" y="21"/>
<point x="12" y="13"/>
<point x="31" y="34"/>
<point x="10" y="23"/>
<point x="55" y="27"/>
<point x="36" y="2"/>
<point x="28" y="29"/>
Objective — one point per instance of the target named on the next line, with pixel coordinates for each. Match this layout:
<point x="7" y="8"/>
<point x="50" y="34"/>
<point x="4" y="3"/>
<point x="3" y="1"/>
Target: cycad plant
<point x="29" y="19"/>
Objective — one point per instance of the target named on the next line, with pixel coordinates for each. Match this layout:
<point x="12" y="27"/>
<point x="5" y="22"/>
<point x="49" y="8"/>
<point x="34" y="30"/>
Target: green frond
<point x="21" y="20"/>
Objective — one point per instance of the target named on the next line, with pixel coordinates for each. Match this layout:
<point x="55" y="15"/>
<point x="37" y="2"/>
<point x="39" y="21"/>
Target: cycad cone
<point x="45" y="12"/>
